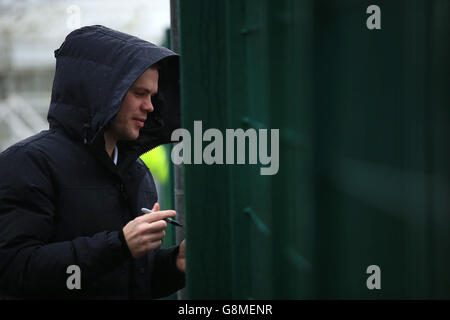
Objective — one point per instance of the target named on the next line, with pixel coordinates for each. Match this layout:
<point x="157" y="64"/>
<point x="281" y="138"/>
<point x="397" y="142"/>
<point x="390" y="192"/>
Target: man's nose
<point x="147" y="106"/>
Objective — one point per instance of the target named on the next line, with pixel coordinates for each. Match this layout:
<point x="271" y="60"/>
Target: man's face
<point x="135" y="107"/>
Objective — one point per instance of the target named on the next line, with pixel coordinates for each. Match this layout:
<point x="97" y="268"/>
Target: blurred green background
<point x="364" y="159"/>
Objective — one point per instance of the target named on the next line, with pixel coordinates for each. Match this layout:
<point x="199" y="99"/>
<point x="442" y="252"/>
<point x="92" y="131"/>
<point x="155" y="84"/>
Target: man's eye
<point x="140" y="94"/>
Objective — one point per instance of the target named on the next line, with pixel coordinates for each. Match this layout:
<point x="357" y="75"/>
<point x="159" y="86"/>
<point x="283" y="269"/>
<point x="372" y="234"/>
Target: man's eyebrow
<point x="142" y="88"/>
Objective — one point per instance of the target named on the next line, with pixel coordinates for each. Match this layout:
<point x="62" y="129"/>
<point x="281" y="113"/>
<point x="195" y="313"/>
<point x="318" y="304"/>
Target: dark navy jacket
<point x="62" y="199"/>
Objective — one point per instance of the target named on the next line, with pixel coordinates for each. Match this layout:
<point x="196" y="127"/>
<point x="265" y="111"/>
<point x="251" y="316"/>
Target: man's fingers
<point x="153" y="245"/>
<point x="153" y="227"/>
<point x="155" y="236"/>
<point x="158" y="215"/>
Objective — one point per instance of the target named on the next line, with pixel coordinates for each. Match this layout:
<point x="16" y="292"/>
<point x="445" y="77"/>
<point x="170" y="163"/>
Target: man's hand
<point x="181" y="257"/>
<point x="145" y="233"/>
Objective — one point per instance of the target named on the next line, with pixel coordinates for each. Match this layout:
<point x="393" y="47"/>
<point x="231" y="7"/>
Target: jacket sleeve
<point x="31" y="266"/>
<point x="165" y="277"/>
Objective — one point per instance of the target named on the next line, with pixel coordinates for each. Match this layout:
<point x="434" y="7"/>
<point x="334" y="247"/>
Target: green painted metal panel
<point x="208" y="206"/>
<point x="290" y="59"/>
<point x="364" y="160"/>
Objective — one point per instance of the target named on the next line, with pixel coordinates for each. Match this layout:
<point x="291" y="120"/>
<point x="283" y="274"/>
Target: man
<point x="71" y="196"/>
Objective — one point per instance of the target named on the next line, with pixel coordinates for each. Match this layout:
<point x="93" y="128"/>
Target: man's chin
<point x="129" y="137"/>
<point x="132" y="138"/>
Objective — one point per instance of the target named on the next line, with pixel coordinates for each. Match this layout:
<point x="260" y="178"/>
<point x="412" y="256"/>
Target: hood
<point x="95" y="67"/>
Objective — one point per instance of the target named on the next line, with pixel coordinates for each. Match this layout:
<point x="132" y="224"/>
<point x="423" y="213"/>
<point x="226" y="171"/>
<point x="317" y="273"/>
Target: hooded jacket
<point x="63" y="201"/>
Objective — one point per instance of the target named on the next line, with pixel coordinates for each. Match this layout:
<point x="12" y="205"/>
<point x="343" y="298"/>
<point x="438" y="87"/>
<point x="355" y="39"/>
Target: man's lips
<point x="140" y="121"/>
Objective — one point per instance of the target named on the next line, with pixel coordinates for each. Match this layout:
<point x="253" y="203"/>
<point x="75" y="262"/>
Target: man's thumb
<point x="156" y="207"/>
